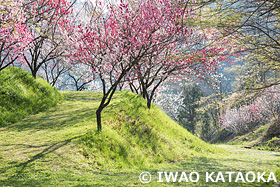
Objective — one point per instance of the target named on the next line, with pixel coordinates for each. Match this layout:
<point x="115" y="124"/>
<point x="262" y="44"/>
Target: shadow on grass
<point x="17" y="178"/>
<point x="25" y="145"/>
<point x="104" y="178"/>
<point x="58" y="118"/>
<point x="54" y="121"/>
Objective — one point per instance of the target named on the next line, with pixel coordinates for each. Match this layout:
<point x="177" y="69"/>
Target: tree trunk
<point x="149" y="103"/>
<point x="98" y="117"/>
<point x="102" y="105"/>
<point x="34" y="74"/>
<point x="251" y="129"/>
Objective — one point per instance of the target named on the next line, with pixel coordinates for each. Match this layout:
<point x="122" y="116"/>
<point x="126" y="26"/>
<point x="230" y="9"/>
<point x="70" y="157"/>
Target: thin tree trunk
<point x="34" y="74"/>
<point x="251" y="129"/>
<point x="149" y="103"/>
<point x="104" y="102"/>
<point x="98" y="117"/>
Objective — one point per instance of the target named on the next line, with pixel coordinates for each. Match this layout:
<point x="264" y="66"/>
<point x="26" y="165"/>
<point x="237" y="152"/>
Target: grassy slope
<point x="136" y="136"/>
<point x="250" y="138"/>
<point x="59" y="147"/>
<point x="256" y="140"/>
<point x="21" y="95"/>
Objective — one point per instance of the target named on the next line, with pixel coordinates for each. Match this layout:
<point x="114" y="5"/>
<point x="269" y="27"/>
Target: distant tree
<point x="45" y="21"/>
<point x="262" y="109"/>
<point x="169" y="98"/>
<point x="79" y="77"/>
<point x="188" y="114"/>
<point x="53" y="70"/>
<point x="205" y="133"/>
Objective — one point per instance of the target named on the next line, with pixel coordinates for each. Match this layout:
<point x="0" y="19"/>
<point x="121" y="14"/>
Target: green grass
<point x="136" y="136"/>
<point x="256" y="140"/>
<point x="60" y="147"/>
<point x="251" y="138"/>
<point x="270" y="145"/>
<point x="21" y="95"/>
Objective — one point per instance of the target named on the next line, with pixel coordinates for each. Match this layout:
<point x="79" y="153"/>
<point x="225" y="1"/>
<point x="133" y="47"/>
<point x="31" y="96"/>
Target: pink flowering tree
<point x="45" y="20"/>
<point x="14" y="33"/>
<point x="264" y="108"/>
<point x="54" y="70"/>
<point x="197" y="54"/>
<point x="118" y="37"/>
<point x="79" y="77"/>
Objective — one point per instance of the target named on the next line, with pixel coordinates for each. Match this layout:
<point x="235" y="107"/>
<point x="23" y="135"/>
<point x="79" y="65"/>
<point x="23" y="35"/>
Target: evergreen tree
<point x="187" y="114"/>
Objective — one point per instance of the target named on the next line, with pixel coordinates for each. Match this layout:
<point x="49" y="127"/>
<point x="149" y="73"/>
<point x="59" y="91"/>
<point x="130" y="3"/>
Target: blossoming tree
<point x="119" y="36"/>
<point x="14" y="33"/>
<point x="45" y="21"/>
<point x="126" y="40"/>
<point x="263" y="109"/>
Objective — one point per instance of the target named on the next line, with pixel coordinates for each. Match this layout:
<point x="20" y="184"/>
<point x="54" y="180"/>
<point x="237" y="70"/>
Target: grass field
<point x="22" y="95"/>
<point x="60" y="147"/>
